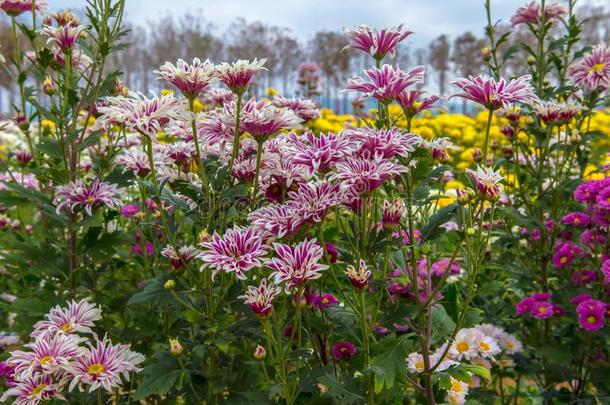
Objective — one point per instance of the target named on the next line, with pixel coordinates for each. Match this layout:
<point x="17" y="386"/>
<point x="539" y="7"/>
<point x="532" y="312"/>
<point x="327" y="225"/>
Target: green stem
<point x="487" y="130"/>
<point x="259" y="154"/>
<point x="236" y="134"/>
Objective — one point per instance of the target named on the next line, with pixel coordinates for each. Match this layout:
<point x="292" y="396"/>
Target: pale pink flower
<point x="412" y="102"/>
<point x="387" y="143"/>
<point x="531" y="13"/>
<point x="184" y="255"/>
<point x="305" y="109"/>
<point x="17" y="7"/>
<point x="260" y="299"/>
<point x="78" y="317"/>
<point x="33" y="390"/>
<point x="359" y="277"/>
<point x="593" y="70"/>
<point x="487" y="182"/>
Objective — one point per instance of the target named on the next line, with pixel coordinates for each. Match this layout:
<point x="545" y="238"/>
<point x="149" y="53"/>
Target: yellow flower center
<point x="484" y="346"/>
<point x="66" y="327"/>
<point x="597" y="68"/>
<point x="542" y="310"/>
<point x="510" y="345"/>
<point x="90" y="200"/>
<point x="419" y="365"/>
<point x="462" y="347"/>
<point x="325" y="300"/>
<point x="563" y="260"/>
<point x="591" y="319"/>
<point x="456" y="387"/>
<point x="39" y="388"/>
<point x="45" y="360"/>
<point x="96" y="369"/>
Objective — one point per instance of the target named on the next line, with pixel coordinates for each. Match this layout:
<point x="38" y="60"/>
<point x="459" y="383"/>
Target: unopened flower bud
<point x="486" y="53"/>
<point x="470" y="232"/>
<point x="259" y="353"/>
<point x="175" y="347"/>
<point x="465" y="196"/>
<point x="203" y="236"/>
<point x="48" y="86"/>
<point x="531" y="60"/>
<point x="23" y="157"/>
<point x="477" y="155"/>
<point x="169" y="284"/>
<point x="22" y="121"/>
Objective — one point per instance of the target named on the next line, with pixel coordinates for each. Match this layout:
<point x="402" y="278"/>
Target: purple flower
<point x="412" y="104"/>
<point x="593" y="70"/>
<point x="440" y="267"/>
<point x="130" y="210"/>
<point x="311" y="202"/>
<point x="359" y="277"/>
<point x="493" y="94"/>
<point x="587" y="192"/>
<point x="591" y="315"/>
<point x="578" y="219"/>
<point x="295" y="265"/>
<point x="318" y="152"/>
<point x="17" y="7"/>
<point x="136" y="248"/>
<point x="563" y="257"/>
<point x="532" y="14"/>
<point x="184" y="255"/>
<point x="577" y="299"/>
<point x="6" y="373"/>
<point x="542" y="309"/>
<point x="606" y="271"/>
<point x="238" y="251"/>
<point x="377" y="43"/>
<point x="364" y="175"/>
<point x="584" y="277"/>
<point x="191" y="79"/>
<point x="32" y="390"/>
<point x="77" y="317"/>
<point x="603" y="198"/>
<point x="592" y="238"/>
<point x="323" y="301"/>
<point x="76" y="193"/>
<point x="343" y="350"/>
<point x="262" y="120"/>
<point x="387" y="83"/>
<point x="331" y="250"/>
<point x="260" y="299"/>
<point x="274" y="220"/>
<point x="64" y="36"/>
<point x="392" y="213"/>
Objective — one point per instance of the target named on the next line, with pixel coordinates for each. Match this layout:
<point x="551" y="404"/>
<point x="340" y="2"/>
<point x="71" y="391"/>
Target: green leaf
<point x="476" y="370"/>
<point x="389" y="362"/>
<point x="433" y="228"/>
<point x="341" y="392"/>
<point x="159" y="377"/>
<point x="442" y="323"/>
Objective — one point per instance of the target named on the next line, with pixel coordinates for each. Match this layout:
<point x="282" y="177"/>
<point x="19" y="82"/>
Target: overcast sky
<point x="427" y="18"/>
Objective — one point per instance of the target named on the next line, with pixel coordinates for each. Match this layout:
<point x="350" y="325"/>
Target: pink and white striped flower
<point x="532" y="14"/>
<point x="33" y="390"/>
<point x="218" y="97"/>
<point x="365" y="175"/>
<point x="136" y="161"/>
<point x="63" y="36"/>
<point x="260" y="299"/>
<point x="48" y="354"/>
<point x="76" y="194"/>
<point x="191" y="79"/>
<point x="487" y="182"/>
<point x="274" y="221"/>
<point x="184" y="255"/>
<point x="386" y="143"/>
<point x="238" y="251"/>
<point x="358" y="277"/>
<point x="312" y="200"/>
<point x="305" y="109"/>
<point x="593" y="70"/>
<point x="385" y="84"/>
<point x="78" y="317"/>
<point x="237" y="76"/>
<point x="295" y="265"/>
<point x="412" y="102"/>
<point x="493" y="94"/>
<point x="103" y="365"/>
<point x="377" y="43"/>
<point x="17" y="7"/>
<point x="262" y="120"/>
<point x="141" y="114"/>
<point x="318" y="152"/>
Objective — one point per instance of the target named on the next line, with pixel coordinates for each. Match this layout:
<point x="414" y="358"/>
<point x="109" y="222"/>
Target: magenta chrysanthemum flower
<point x="542" y="309"/>
<point x="311" y="201"/>
<point x="364" y="175"/>
<point x="260" y="299"/>
<point x="392" y="213"/>
<point x="17" y="7"/>
<point x="439" y="268"/>
<point x="487" y="182"/>
<point x="274" y="221"/>
<point x="322" y="301"/>
<point x="63" y="36"/>
<point x="191" y="79"/>
<point x="377" y="43"/>
<point x="562" y="258"/>
<point x="591" y="315"/>
<point x="440" y="148"/>
<point x="305" y="109"/>
<point x="218" y="97"/>
<point x="295" y="265"/>
<point x="358" y="277"/>
<point x="603" y="198"/>
<point x="184" y="255"/>
<point x="343" y="350"/>
<point x="238" y="251"/>
<point x="33" y="390"/>
<point x="381" y="142"/>
<point x="261" y="120"/>
<point x="78" y="317"/>
<point x="49" y="354"/>
<point x="130" y="210"/>
<point x="493" y="94"/>
<point x="387" y="83"/>
<point x="531" y="13"/>
<point x="584" y="277"/>
<point x="76" y="194"/>
<point x="586" y="192"/>
<point x="142" y="114"/>
<point x="412" y="103"/>
<point x="103" y="365"/>
<point x="318" y="152"/>
<point x="578" y="219"/>
<point x="593" y="70"/>
<point x="552" y="112"/>
<point x="237" y="76"/>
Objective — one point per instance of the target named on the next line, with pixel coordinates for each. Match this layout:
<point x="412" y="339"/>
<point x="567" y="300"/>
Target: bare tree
<point x="438" y="57"/>
<point x="466" y="57"/>
<point x="327" y="51"/>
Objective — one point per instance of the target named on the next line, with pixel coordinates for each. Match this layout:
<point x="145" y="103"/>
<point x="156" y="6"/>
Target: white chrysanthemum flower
<point x="415" y="363"/>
